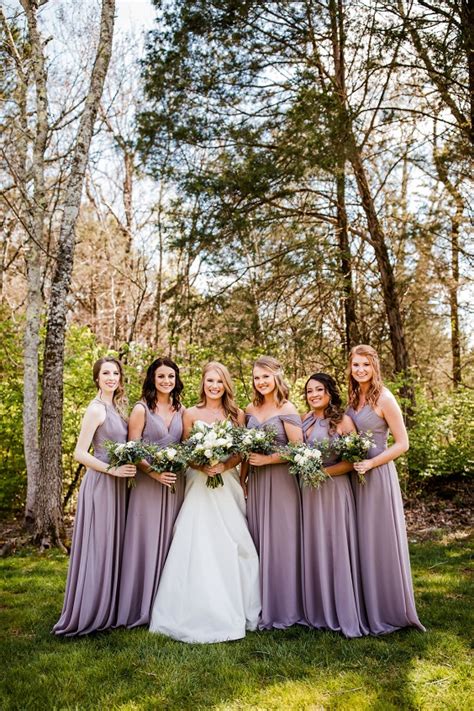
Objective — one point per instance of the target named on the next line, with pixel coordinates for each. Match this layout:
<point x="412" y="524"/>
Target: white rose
<point x="299" y="459"/>
<point x="119" y="447"/>
<point x="208" y="453"/>
<point x="198" y="436"/>
<point x="172" y="453"/>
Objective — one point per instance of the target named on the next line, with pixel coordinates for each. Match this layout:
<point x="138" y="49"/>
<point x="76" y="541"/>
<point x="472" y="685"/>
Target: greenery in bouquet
<point x="121" y="453"/>
<point x="168" y="459"/>
<point x="306" y="463"/>
<point x="256" y="440"/>
<point x="353" y="447"/>
<point x="208" y="445"/>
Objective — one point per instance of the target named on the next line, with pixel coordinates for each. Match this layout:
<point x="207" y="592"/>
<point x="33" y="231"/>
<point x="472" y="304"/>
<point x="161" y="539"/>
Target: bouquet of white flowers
<point x="260" y="441"/>
<point x="211" y="444"/>
<point x="306" y="463"/>
<point x="168" y="459"/>
<point x="353" y="447"/>
<point x="125" y="453"/>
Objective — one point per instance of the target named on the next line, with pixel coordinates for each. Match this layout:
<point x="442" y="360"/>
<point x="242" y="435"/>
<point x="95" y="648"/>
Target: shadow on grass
<point x="295" y="669"/>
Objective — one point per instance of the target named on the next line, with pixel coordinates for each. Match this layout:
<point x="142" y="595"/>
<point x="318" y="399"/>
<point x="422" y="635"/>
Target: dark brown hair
<point x="149" y="393"/>
<point x="333" y="412"/>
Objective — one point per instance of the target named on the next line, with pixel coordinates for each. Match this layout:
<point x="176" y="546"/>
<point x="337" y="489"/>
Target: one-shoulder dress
<point x="274" y="516"/>
<point x="152" y="511"/>
<point x="332" y="592"/>
<point x="209" y="590"/>
<point x="90" y="601"/>
<point x="383" y="545"/>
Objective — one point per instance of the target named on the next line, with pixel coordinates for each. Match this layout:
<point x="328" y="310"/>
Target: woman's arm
<point x="394" y="418"/>
<point x="94" y="416"/>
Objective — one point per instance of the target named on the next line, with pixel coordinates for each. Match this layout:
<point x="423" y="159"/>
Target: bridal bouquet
<point x="306" y="463"/>
<point x="353" y="447"/>
<point x="125" y="453"/>
<point x="210" y="444"/>
<point x="260" y="441"/>
<point x="168" y="459"/>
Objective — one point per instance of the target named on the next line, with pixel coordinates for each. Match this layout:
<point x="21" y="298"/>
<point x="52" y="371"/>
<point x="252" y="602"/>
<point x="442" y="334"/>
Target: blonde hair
<point x="281" y="388"/>
<point x="376" y="384"/>
<point x="228" y="398"/>
<point x="119" y="399"/>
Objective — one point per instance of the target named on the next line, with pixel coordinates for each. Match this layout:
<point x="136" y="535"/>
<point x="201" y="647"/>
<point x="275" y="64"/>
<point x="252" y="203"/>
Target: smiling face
<point x="317" y="396"/>
<point x="165" y="379"/>
<point x="108" y="378"/>
<point x="361" y="369"/>
<point x="214" y="387"/>
<point x="263" y="380"/>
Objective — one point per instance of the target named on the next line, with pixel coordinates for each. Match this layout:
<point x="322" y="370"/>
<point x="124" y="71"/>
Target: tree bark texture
<point x="34" y="213"/>
<point x="49" y="514"/>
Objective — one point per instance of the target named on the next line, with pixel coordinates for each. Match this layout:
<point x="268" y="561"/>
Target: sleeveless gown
<point x="152" y="511"/>
<point x="332" y="592"/>
<point x="383" y="545"/>
<point x="209" y="590"/>
<point x="90" y="601"/>
<point x="274" y="515"/>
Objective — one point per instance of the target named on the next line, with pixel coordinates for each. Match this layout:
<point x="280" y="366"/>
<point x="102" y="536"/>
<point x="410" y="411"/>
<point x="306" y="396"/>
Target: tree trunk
<point x="34" y="213"/>
<point x="48" y="528"/>
<point x="453" y="300"/>
<point x="350" y="319"/>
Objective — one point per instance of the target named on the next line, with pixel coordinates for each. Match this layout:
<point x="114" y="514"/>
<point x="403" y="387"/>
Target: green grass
<point x="296" y="669"/>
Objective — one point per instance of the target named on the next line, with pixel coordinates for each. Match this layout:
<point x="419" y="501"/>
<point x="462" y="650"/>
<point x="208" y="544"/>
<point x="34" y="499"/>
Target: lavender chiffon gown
<point x="332" y="592"/>
<point x="383" y="545"/>
<point x="90" y="601"/>
<point x="274" y="517"/>
<point x="152" y="511"/>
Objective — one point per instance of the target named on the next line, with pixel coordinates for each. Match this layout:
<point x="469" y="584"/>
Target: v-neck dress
<point x="274" y="516"/>
<point x="152" y="511"/>
<point x="332" y="591"/>
<point x="383" y="545"/>
<point x="90" y="601"/>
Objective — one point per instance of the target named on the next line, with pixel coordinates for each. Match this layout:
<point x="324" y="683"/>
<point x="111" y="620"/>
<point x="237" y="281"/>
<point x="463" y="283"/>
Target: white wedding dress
<point x="209" y="589"/>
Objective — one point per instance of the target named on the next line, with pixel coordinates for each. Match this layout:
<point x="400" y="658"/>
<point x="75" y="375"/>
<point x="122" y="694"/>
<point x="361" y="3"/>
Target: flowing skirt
<point x="90" y="601"/>
<point x="209" y="589"/>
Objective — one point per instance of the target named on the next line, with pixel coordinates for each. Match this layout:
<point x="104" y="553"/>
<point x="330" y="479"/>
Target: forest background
<point x="288" y="178"/>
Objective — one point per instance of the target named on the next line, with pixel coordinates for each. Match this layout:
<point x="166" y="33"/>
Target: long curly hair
<point x="228" y="398"/>
<point x="119" y="399"/>
<point x="376" y="385"/>
<point x="281" y="388"/>
<point x="149" y="392"/>
<point x="334" y="411"/>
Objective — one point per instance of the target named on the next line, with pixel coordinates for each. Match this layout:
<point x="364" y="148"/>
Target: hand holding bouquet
<point x="210" y="444"/>
<point x="353" y="447"/>
<point x="256" y="440"/>
<point x="305" y="463"/>
<point x="121" y="453"/>
<point x="168" y="459"/>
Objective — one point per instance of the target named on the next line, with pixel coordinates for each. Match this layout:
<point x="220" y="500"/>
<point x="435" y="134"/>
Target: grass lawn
<point x="296" y="669"/>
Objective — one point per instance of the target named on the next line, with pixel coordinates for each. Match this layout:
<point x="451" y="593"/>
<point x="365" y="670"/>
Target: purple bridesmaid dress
<point x="274" y="516"/>
<point x="332" y="593"/>
<point x="383" y="546"/>
<point x="90" y="601"/>
<point x="152" y="511"/>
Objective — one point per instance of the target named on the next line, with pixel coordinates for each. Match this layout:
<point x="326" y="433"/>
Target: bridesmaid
<point x="90" y="601"/>
<point x="332" y="594"/>
<point x="383" y="547"/>
<point x="152" y="510"/>
<point x="274" y="502"/>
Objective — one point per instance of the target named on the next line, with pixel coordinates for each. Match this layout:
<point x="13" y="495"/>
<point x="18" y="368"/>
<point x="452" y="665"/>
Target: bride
<point x="209" y="588"/>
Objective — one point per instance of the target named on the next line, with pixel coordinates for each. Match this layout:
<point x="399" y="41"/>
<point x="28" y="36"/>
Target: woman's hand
<point x="166" y="478"/>
<point x="214" y="469"/>
<point x="260" y="460"/>
<point x="364" y="466"/>
<point x="126" y="470"/>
